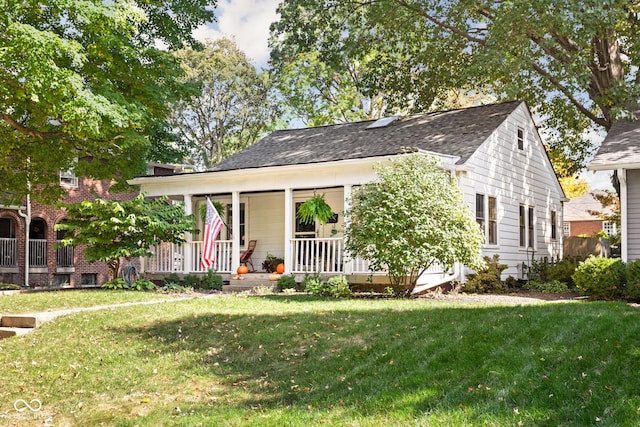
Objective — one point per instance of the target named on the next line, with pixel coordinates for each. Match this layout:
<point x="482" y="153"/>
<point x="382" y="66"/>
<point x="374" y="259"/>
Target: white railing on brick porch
<point x="170" y="258"/>
<point x="64" y="256"/>
<point x="38" y="253"/>
<point x="8" y="252"/>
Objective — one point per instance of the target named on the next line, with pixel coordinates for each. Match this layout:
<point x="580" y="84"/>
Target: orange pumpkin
<point x="280" y="268"/>
<point x="243" y="269"/>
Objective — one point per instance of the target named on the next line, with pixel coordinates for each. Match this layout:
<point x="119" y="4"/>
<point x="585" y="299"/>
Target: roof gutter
<point x="612" y="166"/>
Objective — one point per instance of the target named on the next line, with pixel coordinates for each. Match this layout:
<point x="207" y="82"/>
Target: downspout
<point x="27" y="222"/>
<point x="622" y="177"/>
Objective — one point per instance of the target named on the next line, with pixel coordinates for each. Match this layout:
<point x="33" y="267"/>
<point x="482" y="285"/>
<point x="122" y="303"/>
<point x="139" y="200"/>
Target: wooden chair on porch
<point x="245" y="257"/>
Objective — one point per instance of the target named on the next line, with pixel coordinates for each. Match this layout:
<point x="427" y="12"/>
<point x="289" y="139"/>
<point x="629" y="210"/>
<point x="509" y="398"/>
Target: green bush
<point x="550" y="287"/>
<point x="172" y="278"/>
<point x="312" y="283"/>
<point x="563" y="271"/>
<point x="115" y="284"/>
<point x="632" y="290"/>
<point x="9" y="287"/>
<point x="601" y="278"/>
<point x="212" y="281"/>
<point x="286" y="282"/>
<point x="172" y="286"/>
<point x="139" y="285"/>
<point x="487" y="279"/>
<point x="338" y="286"/>
<point x="192" y="281"/>
<point x="142" y="285"/>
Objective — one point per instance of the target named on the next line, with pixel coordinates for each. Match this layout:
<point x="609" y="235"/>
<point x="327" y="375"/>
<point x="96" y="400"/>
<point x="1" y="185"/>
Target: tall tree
<point x="574" y="186"/>
<point x="112" y="230"/>
<point x="82" y="86"/>
<point x="233" y="108"/>
<point x="574" y="62"/>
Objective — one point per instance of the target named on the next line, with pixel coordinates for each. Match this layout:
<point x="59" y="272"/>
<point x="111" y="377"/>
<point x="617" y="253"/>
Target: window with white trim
<point x="526" y="225"/>
<point x="609" y="227"/>
<point x="531" y="228"/>
<point x="554" y="226"/>
<point x="492" y="230"/>
<point x="520" y="138"/>
<point x="487" y="217"/>
<point x="68" y="179"/>
<point x="480" y="211"/>
<point x="242" y="227"/>
<point x="566" y="228"/>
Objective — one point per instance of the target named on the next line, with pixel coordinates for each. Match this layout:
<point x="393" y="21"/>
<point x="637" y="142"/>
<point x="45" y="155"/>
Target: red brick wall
<point x="87" y="190"/>
<point x="588" y="228"/>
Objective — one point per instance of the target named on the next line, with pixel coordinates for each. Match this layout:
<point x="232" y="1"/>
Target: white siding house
<point x="620" y="153"/>
<point x="494" y="151"/>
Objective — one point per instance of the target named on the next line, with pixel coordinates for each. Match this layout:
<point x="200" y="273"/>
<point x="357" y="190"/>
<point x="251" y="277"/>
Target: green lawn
<point x="64" y="299"/>
<point x="297" y="360"/>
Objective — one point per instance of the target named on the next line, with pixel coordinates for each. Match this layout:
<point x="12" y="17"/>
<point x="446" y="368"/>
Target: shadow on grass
<point x="395" y="362"/>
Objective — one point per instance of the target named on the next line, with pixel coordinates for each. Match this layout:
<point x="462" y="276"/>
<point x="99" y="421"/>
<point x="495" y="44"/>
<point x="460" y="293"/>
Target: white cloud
<point x="247" y="21"/>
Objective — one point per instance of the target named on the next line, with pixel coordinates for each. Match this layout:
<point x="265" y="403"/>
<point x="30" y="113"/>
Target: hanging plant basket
<point x="315" y="209"/>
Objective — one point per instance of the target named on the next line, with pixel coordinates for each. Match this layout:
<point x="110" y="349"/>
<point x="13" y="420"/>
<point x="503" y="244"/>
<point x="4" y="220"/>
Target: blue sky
<point x="247" y="21"/>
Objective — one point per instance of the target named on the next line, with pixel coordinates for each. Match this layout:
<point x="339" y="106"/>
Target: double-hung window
<point x="526" y="225"/>
<point x="487" y="217"/>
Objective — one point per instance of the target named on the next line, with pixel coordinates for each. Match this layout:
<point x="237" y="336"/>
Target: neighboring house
<point x="48" y="265"/>
<point x="580" y="218"/>
<point x="494" y="152"/>
<point x="620" y="152"/>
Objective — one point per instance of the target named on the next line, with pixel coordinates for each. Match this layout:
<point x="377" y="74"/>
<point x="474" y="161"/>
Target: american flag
<point x="212" y="226"/>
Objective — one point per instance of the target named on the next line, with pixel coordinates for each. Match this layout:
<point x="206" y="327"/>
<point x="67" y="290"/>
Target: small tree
<point x="413" y="216"/>
<point x="115" y="229"/>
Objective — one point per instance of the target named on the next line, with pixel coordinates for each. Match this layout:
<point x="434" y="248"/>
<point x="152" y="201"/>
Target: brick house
<point x="48" y="265"/>
<point x="580" y="220"/>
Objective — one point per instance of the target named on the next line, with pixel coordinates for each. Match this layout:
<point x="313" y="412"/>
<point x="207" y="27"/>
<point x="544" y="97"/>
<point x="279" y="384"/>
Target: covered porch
<point x="261" y="205"/>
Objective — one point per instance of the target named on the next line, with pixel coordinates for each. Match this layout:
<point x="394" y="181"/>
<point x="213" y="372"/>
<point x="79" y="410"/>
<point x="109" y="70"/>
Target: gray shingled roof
<point x="456" y="133"/>
<point x="578" y="209"/>
<point x="621" y="145"/>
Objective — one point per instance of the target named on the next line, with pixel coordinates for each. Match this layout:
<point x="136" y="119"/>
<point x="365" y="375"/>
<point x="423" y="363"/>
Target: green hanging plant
<point x="217" y="205"/>
<point x="315" y="209"/>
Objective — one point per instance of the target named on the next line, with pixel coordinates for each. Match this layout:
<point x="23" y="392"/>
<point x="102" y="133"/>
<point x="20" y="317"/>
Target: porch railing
<point x="8" y="252"/>
<point x="309" y="255"/>
<point x="170" y="258"/>
<point x="64" y="256"/>
<point x="319" y="255"/>
<point x="38" y="253"/>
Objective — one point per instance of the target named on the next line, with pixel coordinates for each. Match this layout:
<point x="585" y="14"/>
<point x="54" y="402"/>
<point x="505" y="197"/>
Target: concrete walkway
<point x="12" y="325"/>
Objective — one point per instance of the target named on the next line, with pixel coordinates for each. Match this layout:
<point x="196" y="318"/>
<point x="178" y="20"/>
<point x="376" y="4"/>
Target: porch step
<point x="17" y="321"/>
<point x="246" y="282"/>
<point x="6" y="332"/>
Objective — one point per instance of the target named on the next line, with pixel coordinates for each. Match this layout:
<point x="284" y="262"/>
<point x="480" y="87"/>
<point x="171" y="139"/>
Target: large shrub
<point x="414" y="215"/>
<point x="487" y="278"/>
<point x="212" y="281"/>
<point x="286" y="282"/>
<point x="601" y="278"/>
<point x="632" y="290"/>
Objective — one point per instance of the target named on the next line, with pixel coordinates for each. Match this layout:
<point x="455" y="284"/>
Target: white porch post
<point x="288" y="226"/>
<point x="624" y="248"/>
<point x="348" y="265"/>
<point x="188" y="260"/>
<point x="235" y="238"/>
